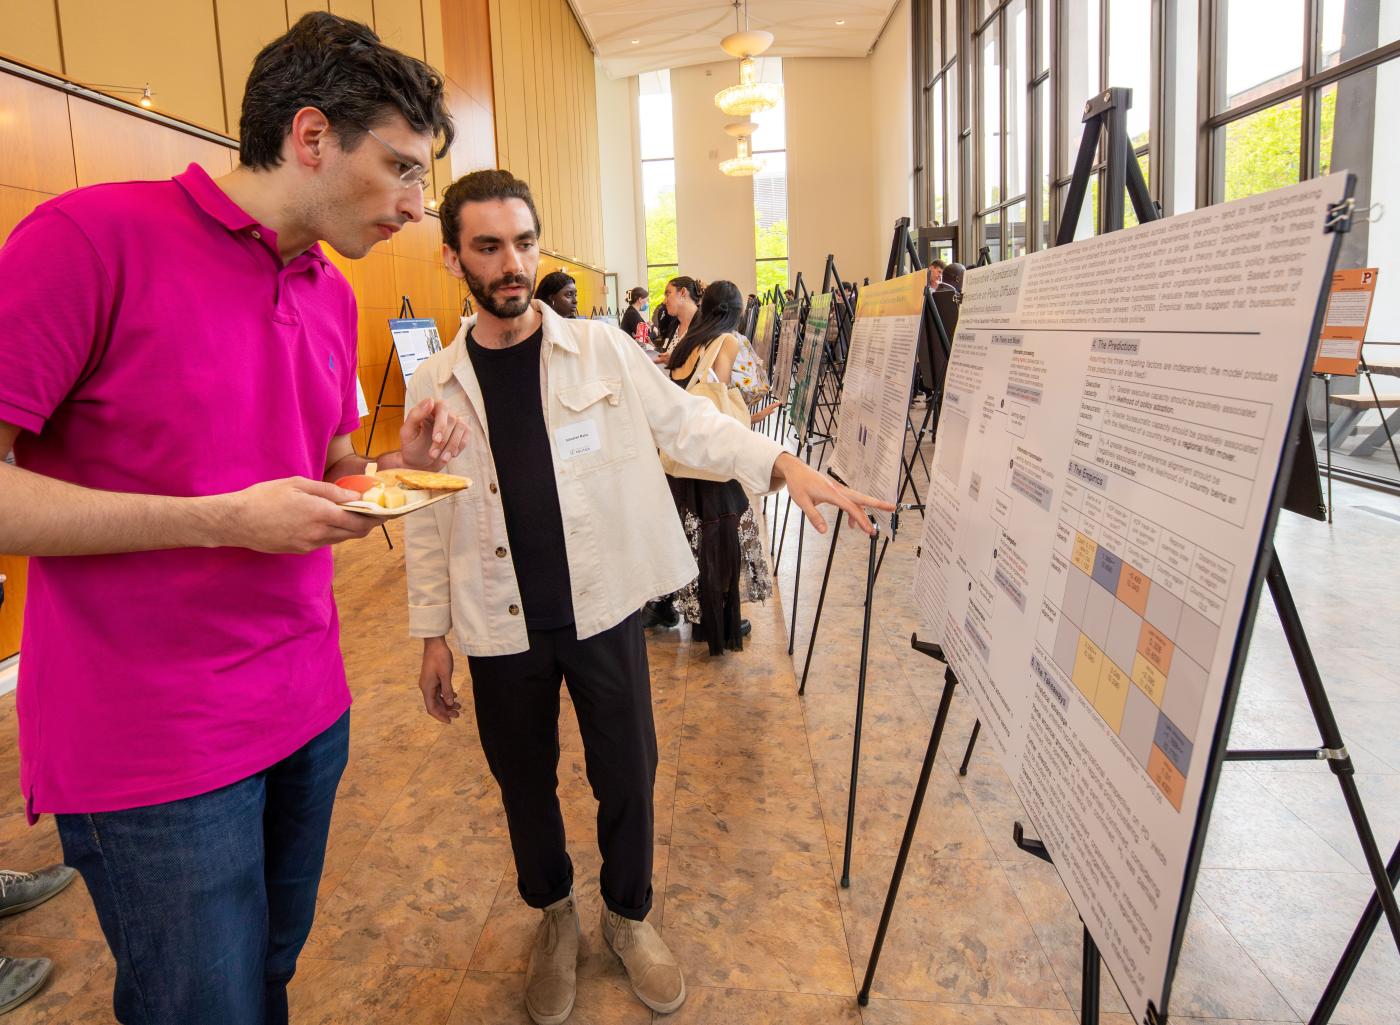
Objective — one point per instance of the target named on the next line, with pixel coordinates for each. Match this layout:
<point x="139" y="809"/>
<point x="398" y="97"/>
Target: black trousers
<point x="517" y="716"/>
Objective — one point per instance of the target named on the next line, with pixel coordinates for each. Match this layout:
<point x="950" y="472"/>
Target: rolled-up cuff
<point x="755" y="464"/>
<point x="429" y="620"/>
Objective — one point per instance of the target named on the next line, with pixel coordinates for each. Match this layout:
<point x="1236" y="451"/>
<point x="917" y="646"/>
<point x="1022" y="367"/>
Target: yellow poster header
<point x="897" y="297"/>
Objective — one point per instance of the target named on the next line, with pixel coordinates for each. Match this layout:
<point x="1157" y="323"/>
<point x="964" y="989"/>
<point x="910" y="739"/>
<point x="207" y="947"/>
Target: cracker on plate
<point x="426" y="480"/>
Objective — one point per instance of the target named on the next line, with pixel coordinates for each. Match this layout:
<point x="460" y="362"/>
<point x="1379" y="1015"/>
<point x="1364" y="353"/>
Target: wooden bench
<point x="1353" y="408"/>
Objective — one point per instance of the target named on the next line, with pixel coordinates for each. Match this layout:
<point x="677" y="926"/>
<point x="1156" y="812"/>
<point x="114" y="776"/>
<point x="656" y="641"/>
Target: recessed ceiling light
<point x="840" y="21"/>
<point x="635" y="42"/>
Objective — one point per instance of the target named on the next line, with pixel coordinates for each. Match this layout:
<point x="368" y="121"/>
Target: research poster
<point x="1344" y="324"/>
<point x="810" y="358"/>
<point x="763" y="336"/>
<point x="414" y="341"/>
<point x="875" y="393"/>
<point x="787" y="342"/>
<point x="1106" y="457"/>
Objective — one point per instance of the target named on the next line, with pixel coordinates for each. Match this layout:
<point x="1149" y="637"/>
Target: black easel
<point x="1109" y="110"/>
<point x="900" y="247"/>
<point x="805" y="436"/>
<point x="803" y="300"/>
<point x="1106" y="113"/>
<point x="934" y="352"/>
<point x="405" y="310"/>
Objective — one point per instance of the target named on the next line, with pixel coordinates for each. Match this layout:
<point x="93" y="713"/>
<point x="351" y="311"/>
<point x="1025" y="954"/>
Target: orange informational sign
<point x="1344" y="324"/>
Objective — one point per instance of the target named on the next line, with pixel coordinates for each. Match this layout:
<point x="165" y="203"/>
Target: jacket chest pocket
<point x="594" y="430"/>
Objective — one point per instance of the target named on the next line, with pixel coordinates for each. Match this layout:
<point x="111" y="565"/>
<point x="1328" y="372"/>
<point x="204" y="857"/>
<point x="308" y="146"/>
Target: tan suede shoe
<point x="651" y="968"/>
<point x="551" y="983"/>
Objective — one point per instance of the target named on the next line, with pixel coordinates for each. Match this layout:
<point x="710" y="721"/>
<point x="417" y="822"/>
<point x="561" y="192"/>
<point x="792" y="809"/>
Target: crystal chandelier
<point x="745" y="163"/>
<point x="750" y="96"/>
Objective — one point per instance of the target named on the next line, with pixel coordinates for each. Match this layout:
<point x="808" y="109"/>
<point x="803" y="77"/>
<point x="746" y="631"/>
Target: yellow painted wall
<point x="547" y="119"/>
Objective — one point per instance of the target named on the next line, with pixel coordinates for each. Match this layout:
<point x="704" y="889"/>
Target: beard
<point x="505" y="309"/>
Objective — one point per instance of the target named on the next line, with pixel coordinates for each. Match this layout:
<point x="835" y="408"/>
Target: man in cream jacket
<point x="539" y="569"/>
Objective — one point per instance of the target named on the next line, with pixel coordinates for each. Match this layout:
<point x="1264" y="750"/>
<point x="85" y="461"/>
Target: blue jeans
<point x="206" y="902"/>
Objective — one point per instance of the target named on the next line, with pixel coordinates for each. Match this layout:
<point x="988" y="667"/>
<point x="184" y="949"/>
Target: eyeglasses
<point x="416" y="174"/>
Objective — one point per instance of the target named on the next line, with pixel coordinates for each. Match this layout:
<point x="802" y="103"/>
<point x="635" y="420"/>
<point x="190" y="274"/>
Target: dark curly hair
<point x="342" y="69"/>
<point x="480" y="187"/>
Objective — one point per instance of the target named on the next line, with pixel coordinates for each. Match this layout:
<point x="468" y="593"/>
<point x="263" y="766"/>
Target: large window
<point x="770" y="187"/>
<point x="1319" y="93"/>
<point x="1234" y="96"/>
<point x="1013" y="91"/>
<point x="1027" y="68"/>
<point x="937" y="116"/>
<point x="1103" y="44"/>
<point x="658" y="151"/>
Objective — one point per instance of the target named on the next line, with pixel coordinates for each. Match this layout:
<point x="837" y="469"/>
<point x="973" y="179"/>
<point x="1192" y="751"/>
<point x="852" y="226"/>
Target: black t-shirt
<point x="520" y="446"/>
<point x="630" y="320"/>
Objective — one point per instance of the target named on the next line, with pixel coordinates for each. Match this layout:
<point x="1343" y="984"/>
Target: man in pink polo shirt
<point x="178" y="385"/>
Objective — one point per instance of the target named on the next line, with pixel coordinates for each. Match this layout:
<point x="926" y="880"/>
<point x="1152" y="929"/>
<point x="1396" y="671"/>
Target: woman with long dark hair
<point x="716" y="514"/>
<point x="664" y="325"/>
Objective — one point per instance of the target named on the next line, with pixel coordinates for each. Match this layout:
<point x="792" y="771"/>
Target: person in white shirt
<point x="539" y="569"/>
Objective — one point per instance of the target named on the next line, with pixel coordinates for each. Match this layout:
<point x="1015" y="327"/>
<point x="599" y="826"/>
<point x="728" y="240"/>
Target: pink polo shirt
<point x="151" y="341"/>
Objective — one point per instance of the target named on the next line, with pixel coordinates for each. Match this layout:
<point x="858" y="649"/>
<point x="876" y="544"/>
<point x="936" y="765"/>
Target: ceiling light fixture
<point x="744" y="164"/>
<point x="635" y="42"/>
<point x="840" y="21"/>
<point x="750" y="96"/>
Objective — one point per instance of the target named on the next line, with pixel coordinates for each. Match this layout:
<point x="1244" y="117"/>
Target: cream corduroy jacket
<point x="625" y="544"/>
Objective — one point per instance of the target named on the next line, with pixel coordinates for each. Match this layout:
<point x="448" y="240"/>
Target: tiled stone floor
<point x="419" y="920"/>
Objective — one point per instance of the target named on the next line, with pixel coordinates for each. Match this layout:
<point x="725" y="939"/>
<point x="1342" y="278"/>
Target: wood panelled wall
<point x="196" y="55"/>
<point x="51" y="142"/>
<point x="547" y="120"/>
<point x="410" y="264"/>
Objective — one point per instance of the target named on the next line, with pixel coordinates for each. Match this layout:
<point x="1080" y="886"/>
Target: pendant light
<point x="750" y="96"/>
<point x="745" y="164"/>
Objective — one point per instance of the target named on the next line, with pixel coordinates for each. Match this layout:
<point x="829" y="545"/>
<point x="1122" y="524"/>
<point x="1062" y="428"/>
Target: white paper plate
<point x="380" y="513"/>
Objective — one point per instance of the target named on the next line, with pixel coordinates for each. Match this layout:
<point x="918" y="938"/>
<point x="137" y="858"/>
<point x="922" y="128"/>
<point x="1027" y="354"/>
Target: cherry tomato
<point x="358" y="482"/>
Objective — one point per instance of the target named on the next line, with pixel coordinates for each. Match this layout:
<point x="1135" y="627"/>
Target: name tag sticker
<point x="578" y="439"/>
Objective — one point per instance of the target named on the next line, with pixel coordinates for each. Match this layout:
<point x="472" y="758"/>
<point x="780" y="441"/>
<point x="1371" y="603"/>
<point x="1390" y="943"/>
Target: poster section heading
<point x="811" y="355"/>
<point x="1344" y="323"/>
<point x="787" y="343"/>
<point x="1107" y="452"/>
<point x="414" y="341"/>
<point x="875" y="392"/>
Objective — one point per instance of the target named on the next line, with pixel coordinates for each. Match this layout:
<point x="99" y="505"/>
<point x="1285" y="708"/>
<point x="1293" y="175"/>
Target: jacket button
<point x="514" y="610"/>
<point x="500" y="553"/>
<point x="493" y="487"/>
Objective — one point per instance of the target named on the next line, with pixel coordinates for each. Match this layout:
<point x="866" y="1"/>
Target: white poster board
<point x="763" y="335"/>
<point x="414" y="341"/>
<point x="811" y="355"/>
<point x="875" y="392"/>
<point x="787" y="343"/>
<point x="1104" y="473"/>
